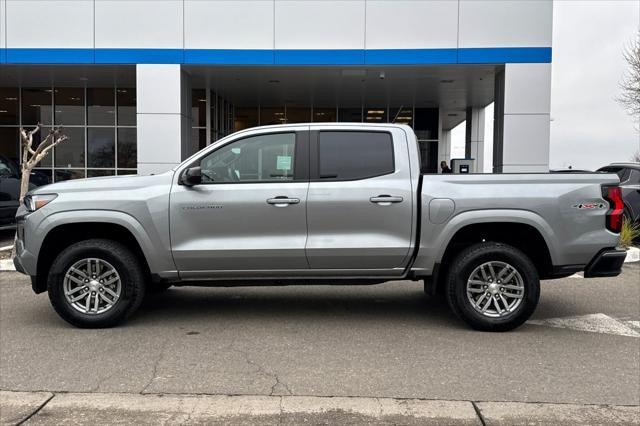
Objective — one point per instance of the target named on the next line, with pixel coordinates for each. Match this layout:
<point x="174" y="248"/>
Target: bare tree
<point x="636" y="157"/>
<point x="31" y="157"/>
<point x="630" y="85"/>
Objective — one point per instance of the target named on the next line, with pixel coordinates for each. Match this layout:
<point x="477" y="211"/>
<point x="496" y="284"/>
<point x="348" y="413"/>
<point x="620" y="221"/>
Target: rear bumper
<point x="607" y="263"/>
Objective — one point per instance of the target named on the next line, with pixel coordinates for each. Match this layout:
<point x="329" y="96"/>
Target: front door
<point x="248" y="217"/>
<point x="360" y="202"/>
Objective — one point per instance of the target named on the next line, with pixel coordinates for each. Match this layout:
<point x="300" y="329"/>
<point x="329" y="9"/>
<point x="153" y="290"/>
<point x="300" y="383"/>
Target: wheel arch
<point x="61" y="232"/>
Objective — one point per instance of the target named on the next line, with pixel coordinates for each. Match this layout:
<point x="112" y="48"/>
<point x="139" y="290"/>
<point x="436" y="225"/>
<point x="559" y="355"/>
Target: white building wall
<point x="499" y="23"/>
<point x="527" y="107"/>
<point x="247" y="24"/>
<point x="390" y="24"/>
<point x="49" y="24"/>
<point x="139" y="24"/>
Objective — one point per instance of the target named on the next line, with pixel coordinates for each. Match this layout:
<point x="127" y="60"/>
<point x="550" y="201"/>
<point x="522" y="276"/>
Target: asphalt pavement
<point x="383" y="341"/>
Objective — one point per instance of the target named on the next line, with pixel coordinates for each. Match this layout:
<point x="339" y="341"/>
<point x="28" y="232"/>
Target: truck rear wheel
<point x="493" y="287"/>
<point x="96" y="283"/>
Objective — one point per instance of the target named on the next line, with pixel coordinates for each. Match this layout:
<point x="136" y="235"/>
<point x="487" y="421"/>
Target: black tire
<point x="472" y="257"/>
<point x="125" y="263"/>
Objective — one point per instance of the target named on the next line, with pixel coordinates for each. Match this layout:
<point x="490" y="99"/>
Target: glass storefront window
<point x="100" y="173"/>
<point x="426" y="123"/>
<point x="245" y="118"/>
<point x="9" y="106"/>
<point x="69" y="106"/>
<point x="321" y="115"/>
<point x="101" y="107"/>
<point x="350" y="115"/>
<point x="198" y="108"/>
<point x="67" y="174"/>
<point x="401" y="116"/>
<point x="70" y="153"/>
<point x="127" y="147"/>
<point x="298" y="115"/>
<point x="9" y="142"/>
<point x="272" y="116"/>
<point x="375" y="115"/>
<point x="198" y="139"/>
<point x="36" y="106"/>
<point x="101" y="147"/>
<point x="126" y="100"/>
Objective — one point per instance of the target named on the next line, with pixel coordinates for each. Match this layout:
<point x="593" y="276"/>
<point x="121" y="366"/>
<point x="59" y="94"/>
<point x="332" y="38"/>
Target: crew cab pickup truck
<point x="326" y="203"/>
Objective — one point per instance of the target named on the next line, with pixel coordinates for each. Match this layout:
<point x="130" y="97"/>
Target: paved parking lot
<point x="384" y="341"/>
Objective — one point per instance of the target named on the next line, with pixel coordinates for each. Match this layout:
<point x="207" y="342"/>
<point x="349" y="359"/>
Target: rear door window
<point x="354" y="155"/>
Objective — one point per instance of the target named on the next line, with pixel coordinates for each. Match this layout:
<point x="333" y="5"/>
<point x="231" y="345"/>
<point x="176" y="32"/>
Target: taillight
<point x="613" y="195"/>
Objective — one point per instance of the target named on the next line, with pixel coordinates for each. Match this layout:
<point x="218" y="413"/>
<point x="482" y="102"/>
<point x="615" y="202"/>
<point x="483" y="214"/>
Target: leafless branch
<point x="630" y="84"/>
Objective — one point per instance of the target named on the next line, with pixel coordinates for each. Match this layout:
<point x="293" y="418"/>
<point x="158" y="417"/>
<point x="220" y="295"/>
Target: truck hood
<point x="109" y="183"/>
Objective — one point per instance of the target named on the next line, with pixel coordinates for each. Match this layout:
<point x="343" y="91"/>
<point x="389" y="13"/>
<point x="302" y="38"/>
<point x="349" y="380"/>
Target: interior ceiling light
<point x="274" y="81"/>
<point x="375" y="111"/>
<point x="10" y="99"/>
<point x="446" y="81"/>
<point x="452" y="115"/>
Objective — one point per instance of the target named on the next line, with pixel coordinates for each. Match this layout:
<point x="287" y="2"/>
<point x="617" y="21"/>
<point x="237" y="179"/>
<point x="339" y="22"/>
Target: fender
<point x="435" y="239"/>
<point x="161" y="265"/>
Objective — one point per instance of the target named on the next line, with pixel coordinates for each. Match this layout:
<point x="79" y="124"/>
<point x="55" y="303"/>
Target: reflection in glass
<point x="37" y="139"/>
<point x="126" y="106"/>
<point x="198" y="108"/>
<point x="127" y="172"/>
<point x="321" y="115"/>
<point x="350" y="115"/>
<point x="101" y="147"/>
<point x="40" y="177"/>
<point x="198" y="140"/>
<point x="127" y="148"/>
<point x="272" y="116"/>
<point x="100" y="173"/>
<point x="36" y="106"/>
<point x="375" y="115"/>
<point x="66" y="174"/>
<point x="9" y="143"/>
<point x="101" y="107"/>
<point x="69" y="106"/>
<point x="245" y="118"/>
<point x="401" y="116"/>
<point x="298" y="115"/>
<point x="70" y="153"/>
<point x="9" y="106"/>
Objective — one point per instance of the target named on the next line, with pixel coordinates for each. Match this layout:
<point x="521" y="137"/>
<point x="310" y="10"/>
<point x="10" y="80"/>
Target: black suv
<point x="629" y="174"/>
<point x="10" y="190"/>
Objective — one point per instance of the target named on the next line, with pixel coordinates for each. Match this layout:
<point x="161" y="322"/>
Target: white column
<point x="474" y="138"/>
<point x="444" y="149"/>
<point x="526" y="127"/>
<point x="163" y="99"/>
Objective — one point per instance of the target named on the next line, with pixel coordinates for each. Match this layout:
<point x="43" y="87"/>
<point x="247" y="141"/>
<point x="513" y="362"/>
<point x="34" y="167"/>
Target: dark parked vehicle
<point x="629" y="174"/>
<point x="10" y="190"/>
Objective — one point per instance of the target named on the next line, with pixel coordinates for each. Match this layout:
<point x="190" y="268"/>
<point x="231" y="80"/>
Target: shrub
<point x="630" y="232"/>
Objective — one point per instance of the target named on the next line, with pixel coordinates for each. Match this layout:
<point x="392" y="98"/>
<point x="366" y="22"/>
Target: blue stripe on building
<point x="499" y="55"/>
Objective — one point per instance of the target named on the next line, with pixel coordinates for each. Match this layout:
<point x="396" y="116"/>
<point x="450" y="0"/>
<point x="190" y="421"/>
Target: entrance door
<point x="360" y="201"/>
<point x="249" y="213"/>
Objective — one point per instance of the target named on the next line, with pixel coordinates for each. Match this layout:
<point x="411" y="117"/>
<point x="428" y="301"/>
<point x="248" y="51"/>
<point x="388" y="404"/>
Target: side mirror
<point x="191" y="176"/>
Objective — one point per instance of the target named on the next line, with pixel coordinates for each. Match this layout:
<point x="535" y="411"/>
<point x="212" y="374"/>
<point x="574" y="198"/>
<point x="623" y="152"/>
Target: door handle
<point x="385" y="200"/>
<point x="282" y="201"/>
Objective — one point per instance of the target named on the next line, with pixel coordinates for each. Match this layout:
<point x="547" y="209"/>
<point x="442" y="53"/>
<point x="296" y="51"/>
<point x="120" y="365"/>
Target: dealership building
<point x="140" y="85"/>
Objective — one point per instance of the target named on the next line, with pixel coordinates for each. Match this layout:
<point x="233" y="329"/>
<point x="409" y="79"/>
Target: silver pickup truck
<point x="317" y="203"/>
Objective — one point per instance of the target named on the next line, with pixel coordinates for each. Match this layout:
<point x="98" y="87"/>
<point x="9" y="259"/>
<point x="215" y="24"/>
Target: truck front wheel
<point x="96" y="283"/>
<point x="493" y="286"/>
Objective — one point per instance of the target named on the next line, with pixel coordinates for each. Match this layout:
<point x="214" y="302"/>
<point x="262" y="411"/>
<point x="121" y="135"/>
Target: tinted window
<point x="263" y="158"/>
<point x="355" y="155"/>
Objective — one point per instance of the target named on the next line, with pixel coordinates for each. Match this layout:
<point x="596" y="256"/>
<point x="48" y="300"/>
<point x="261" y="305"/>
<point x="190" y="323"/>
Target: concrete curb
<point x="105" y="408"/>
<point x="7" y="265"/>
<point x="633" y="255"/>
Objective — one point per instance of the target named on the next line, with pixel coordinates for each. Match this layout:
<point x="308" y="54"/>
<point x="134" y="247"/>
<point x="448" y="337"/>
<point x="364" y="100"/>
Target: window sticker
<point x="283" y="162"/>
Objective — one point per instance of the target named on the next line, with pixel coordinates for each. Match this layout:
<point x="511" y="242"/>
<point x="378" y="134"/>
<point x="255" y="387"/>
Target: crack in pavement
<point x="260" y="369"/>
<point x="154" y="372"/>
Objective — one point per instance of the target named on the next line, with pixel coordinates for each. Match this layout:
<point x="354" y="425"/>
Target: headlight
<point x="37" y="201"/>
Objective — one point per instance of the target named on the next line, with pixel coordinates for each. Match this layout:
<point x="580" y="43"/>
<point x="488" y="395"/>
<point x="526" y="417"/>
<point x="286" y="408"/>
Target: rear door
<point x="359" y="207"/>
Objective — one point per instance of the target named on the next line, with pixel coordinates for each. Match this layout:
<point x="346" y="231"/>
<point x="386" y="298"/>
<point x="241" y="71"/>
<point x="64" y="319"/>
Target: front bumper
<point x="607" y="263"/>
